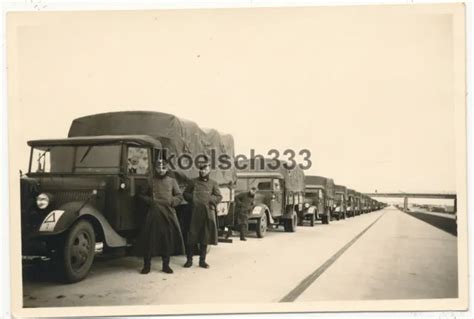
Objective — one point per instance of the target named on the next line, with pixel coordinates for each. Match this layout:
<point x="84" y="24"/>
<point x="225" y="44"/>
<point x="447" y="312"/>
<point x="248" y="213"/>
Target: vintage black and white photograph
<point x="238" y="160"/>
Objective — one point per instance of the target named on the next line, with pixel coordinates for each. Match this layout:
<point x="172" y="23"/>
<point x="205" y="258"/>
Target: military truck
<point x="183" y="141"/>
<point x="340" y="201"/>
<point x="373" y="205"/>
<point x="321" y="189"/>
<point x="313" y="202"/>
<point x="351" y="203"/>
<point x="368" y="204"/>
<point x="79" y="191"/>
<point x="280" y="193"/>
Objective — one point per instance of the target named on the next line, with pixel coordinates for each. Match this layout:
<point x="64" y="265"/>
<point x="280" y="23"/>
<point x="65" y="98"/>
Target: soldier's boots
<point x="146" y="266"/>
<point x="189" y="256"/>
<point x="228" y="233"/>
<point x="166" y="265"/>
<point x="243" y="230"/>
<point x="202" y="257"/>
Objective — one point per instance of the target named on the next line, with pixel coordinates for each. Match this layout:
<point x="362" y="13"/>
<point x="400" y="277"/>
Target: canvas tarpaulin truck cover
<point x="178" y="136"/>
<point x="323" y="182"/>
<point x="222" y="145"/>
<point x="340" y="189"/>
<point x="294" y="178"/>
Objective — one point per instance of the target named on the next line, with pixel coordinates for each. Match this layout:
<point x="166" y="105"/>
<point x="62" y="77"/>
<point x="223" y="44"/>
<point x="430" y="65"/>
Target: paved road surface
<point x="442" y="221"/>
<point x="401" y="257"/>
<point x="398" y="256"/>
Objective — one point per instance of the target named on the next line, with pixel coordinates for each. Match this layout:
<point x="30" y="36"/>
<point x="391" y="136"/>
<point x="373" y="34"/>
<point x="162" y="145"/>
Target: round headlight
<point x="42" y="201"/>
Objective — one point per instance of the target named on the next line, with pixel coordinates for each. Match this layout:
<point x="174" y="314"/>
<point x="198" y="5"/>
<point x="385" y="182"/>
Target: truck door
<point x="276" y="203"/>
<point x="139" y="175"/>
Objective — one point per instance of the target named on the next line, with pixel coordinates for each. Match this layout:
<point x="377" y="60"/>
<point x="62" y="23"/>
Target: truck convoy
<point x="81" y="190"/>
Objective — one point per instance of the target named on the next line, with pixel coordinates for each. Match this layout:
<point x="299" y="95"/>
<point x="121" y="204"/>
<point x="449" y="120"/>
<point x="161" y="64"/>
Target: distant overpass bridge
<point x="405" y="197"/>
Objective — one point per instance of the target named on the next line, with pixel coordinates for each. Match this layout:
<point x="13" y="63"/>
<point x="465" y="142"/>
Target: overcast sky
<point x="369" y="93"/>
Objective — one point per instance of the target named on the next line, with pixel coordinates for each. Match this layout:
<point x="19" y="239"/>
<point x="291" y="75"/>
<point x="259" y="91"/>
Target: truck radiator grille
<point x="61" y="197"/>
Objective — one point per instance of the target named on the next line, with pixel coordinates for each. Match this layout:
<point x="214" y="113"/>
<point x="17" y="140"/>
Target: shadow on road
<point x="443" y="223"/>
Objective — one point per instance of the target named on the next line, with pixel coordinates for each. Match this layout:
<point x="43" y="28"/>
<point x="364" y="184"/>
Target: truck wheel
<point x="78" y="252"/>
<point x="262" y="226"/>
<point x="312" y="220"/>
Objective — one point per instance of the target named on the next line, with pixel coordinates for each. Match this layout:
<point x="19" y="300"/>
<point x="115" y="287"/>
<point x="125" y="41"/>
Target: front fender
<point x="260" y="209"/>
<point x="311" y="210"/>
<point x="60" y="220"/>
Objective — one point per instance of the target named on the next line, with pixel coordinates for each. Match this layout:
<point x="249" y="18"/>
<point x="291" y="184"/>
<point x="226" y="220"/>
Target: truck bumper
<point x="35" y="246"/>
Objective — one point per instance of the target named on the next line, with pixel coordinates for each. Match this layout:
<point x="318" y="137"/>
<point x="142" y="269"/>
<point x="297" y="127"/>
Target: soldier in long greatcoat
<point x="161" y="234"/>
<point x="203" y="194"/>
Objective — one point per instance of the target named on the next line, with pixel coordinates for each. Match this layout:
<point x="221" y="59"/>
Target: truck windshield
<point x="262" y="184"/>
<point x="311" y="194"/>
<point x="78" y="159"/>
<point x="339" y="198"/>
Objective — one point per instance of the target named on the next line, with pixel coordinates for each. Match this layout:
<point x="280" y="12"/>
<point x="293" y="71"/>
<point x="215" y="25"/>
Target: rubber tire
<point x="69" y="274"/>
<point x="261" y="231"/>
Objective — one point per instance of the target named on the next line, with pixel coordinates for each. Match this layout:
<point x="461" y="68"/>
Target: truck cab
<point x="80" y="191"/>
